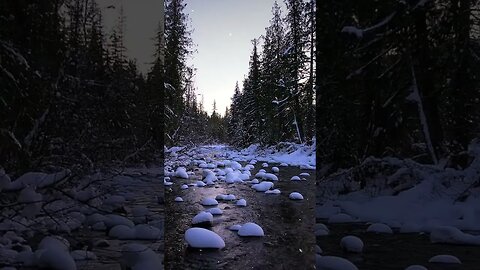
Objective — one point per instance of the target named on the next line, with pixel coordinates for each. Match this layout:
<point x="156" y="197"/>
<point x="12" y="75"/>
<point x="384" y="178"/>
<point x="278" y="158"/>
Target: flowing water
<point x="288" y="225"/>
<point x="395" y="251"/>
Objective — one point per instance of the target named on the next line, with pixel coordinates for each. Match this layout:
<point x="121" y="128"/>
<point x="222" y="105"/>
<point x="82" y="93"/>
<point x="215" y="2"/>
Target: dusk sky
<point x="222" y="33"/>
<point x="223" y="30"/>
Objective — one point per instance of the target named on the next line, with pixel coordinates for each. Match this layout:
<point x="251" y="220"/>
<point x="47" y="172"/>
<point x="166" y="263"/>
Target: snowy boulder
<point x="121" y="232"/>
<point x="452" y="235"/>
<point x="304" y="174"/>
<point x="220" y="197"/>
<point x="260" y="175"/>
<point x="333" y="263"/>
<point x="416" y="267"/>
<point x="241" y="203"/>
<point x="379" y="228"/>
<point x="235" y="227"/>
<point x="113" y="220"/>
<point x="275" y="169"/>
<point x="250" y="229"/>
<point x="295" y="196"/>
<point x="138" y="256"/>
<point x="445" y="259"/>
<point x="184" y="186"/>
<point x="341" y="218"/>
<point x="255" y="181"/>
<point x="229" y="197"/>
<point x="178" y="199"/>
<point x="270" y="176"/>
<point x="181" y="172"/>
<point x="209" y="202"/>
<point x="273" y="191"/>
<point x="203" y="219"/>
<point x="295" y="178"/>
<point x="233" y="177"/>
<point x="263" y="186"/>
<point x="321" y="230"/>
<point x="167" y="184"/>
<point x="54" y="242"/>
<point x="215" y="211"/>
<point x="235" y="165"/>
<point x="203" y="238"/>
<point x="283" y="164"/>
<point x="351" y="243"/>
<point x="200" y="184"/>
<point x="53" y="253"/>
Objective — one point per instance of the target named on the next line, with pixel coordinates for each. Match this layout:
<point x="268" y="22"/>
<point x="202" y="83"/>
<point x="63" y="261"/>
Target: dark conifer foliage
<point x="277" y="100"/>
<point x="397" y="78"/>
<point x="69" y="93"/>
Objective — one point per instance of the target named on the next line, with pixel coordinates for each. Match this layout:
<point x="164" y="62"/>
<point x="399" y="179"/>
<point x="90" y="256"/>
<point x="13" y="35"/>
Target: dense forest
<point x="277" y="99"/>
<point x="186" y="121"/>
<point x="397" y="78"/>
<point x="70" y="95"/>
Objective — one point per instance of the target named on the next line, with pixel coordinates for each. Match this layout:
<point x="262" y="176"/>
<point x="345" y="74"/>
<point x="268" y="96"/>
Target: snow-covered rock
<point x="241" y="203"/>
<point x="209" y="202"/>
<point x="178" y="199"/>
<point x="379" y="228"/>
<point x="138" y="256"/>
<point x="334" y="263"/>
<point x="203" y="238"/>
<point x="452" y="235"/>
<point x="200" y="184"/>
<point x="235" y="227"/>
<point x="270" y="176"/>
<point x="444" y="259"/>
<point x="304" y="174"/>
<point x="263" y="186"/>
<point x="184" y="186"/>
<point x="295" y="196"/>
<point x="250" y="229"/>
<point x="53" y="253"/>
<point x="295" y="178"/>
<point x="203" y="218"/>
<point x="275" y="169"/>
<point x="273" y="191"/>
<point x="351" y="243"/>
<point x="113" y="220"/>
<point x="215" y="211"/>
<point x="321" y="229"/>
<point x="181" y="172"/>
<point x="229" y="197"/>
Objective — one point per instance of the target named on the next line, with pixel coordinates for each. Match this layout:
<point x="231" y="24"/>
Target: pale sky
<point x="223" y="30"/>
<point x="142" y="20"/>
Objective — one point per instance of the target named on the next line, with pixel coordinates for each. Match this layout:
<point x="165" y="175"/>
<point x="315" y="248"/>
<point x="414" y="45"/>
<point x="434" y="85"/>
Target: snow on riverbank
<point x="411" y="197"/>
<point x="291" y="154"/>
